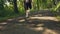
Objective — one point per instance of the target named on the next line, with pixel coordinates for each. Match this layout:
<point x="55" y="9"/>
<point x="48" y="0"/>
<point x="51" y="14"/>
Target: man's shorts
<point x="27" y="6"/>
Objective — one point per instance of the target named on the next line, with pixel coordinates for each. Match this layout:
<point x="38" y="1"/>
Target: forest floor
<point x="39" y="22"/>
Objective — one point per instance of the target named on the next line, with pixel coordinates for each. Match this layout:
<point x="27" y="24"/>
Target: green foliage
<point x="8" y="11"/>
<point x="57" y="6"/>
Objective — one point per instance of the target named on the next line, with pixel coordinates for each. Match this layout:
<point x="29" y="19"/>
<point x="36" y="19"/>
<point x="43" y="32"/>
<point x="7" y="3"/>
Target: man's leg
<point x="27" y="10"/>
<point x="27" y="13"/>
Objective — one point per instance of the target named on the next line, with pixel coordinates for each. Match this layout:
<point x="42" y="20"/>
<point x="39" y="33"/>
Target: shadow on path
<point x="33" y="25"/>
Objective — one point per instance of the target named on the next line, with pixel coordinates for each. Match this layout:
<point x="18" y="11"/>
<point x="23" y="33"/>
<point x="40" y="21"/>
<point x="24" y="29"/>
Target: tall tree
<point x="15" y="6"/>
<point x="1" y="4"/>
<point x="55" y="2"/>
<point x="38" y="4"/>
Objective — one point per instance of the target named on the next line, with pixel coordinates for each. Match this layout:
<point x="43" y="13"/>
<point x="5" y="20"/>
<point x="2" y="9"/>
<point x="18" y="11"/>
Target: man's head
<point x="27" y="1"/>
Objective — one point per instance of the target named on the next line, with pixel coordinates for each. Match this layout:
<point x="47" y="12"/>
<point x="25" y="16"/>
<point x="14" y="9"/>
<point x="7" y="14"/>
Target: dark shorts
<point x="27" y="6"/>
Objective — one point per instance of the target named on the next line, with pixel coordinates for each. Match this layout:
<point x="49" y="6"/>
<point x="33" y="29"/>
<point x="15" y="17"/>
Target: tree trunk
<point x="1" y="5"/>
<point x="15" y="6"/>
<point x="55" y="2"/>
<point x="38" y="4"/>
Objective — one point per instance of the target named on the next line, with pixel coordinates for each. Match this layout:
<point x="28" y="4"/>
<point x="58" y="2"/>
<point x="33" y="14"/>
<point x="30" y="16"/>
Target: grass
<point x="8" y="17"/>
<point x="58" y="17"/>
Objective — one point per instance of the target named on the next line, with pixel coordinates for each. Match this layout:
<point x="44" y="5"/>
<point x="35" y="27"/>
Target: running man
<point x="27" y="6"/>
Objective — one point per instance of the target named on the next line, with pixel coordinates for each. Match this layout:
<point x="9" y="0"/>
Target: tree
<point x="1" y="4"/>
<point x="15" y="6"/>
<point x="38" y="4"/>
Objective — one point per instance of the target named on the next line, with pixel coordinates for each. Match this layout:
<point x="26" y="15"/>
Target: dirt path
<point x="41" y="22"/>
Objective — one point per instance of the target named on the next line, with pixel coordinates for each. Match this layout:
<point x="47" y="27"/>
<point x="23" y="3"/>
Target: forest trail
<point x="40" y="22"/>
